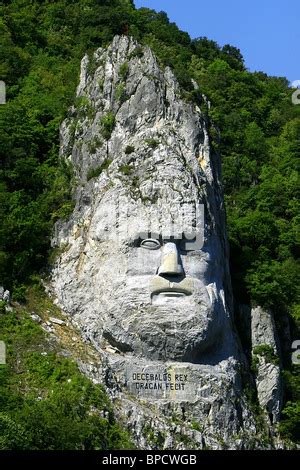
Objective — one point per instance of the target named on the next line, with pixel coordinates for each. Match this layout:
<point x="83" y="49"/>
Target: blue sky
<point x="266" y="31"/>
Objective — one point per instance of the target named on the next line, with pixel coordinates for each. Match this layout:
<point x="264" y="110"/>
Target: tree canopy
<point x="41" y="45"/>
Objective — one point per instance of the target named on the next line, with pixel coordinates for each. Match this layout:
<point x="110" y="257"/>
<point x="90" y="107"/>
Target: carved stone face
<point x="132" y="276"/>
<point x="156" y="294"/>
<point x="128" y="277"/>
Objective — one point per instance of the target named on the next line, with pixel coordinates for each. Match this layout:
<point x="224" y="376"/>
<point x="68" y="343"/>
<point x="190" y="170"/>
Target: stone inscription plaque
<point x="161" y="383"/>
<point x="146" y="381"/>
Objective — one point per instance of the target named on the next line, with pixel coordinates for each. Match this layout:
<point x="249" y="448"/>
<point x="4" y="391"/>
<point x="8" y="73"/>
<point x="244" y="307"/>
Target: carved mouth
<point x="164" y="289"/>
<point x="171" y="292"/>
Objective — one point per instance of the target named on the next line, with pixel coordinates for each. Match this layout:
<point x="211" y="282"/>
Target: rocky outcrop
<point x="143" y="265"/>
<point x="266" y="355"/>
<point x="4" y="295"/>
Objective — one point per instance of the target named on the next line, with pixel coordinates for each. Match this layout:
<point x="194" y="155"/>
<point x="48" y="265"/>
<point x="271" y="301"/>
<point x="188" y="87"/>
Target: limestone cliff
<point x="143" y="270"/>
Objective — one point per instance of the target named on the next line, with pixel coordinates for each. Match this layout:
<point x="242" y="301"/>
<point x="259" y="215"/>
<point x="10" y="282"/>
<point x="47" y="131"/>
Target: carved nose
<point x="170" y="260"/>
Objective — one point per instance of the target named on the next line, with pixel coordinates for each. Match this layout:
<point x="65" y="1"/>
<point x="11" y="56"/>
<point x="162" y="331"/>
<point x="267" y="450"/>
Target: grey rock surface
<point x="57" y="321"/>
<point x="263" y="330"/>
<point x="265" y="346"/>
<point x="5" y="295"/>
<point x="154" y="301"/>
<point x="36" y="317"/>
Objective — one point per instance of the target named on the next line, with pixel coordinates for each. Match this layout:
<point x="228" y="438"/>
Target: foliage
<point x="120" y="93"/>
<point x="290" y="425"/>
<point x="12" y="434"/>
<point x="108" y="124"/>
<point x="197" y="426"/>
<point x="45" y="402"/>
<point x="129" y="149"/>
<point x="266" y="351"/>
<point x="95" y="172"/>
<point x="123" y="71"/>
<point x="20" y="294"/>
<point x="94" y="144"/>
<point x="153" y="143"/>
<point x="137" y="52"/>
<point x="125" y="169"/>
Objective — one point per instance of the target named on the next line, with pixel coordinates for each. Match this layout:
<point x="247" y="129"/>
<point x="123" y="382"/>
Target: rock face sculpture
<point x="143" y="270"/>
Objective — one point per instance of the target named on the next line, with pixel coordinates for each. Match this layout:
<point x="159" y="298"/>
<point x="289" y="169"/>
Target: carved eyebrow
<point x="145" y="235"/>
<point x="161" y="238"/>
<point x="177" y="238"/>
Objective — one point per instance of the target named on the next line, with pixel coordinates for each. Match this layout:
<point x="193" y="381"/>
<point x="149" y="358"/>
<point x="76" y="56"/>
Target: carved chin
<point x="163" y="334"/>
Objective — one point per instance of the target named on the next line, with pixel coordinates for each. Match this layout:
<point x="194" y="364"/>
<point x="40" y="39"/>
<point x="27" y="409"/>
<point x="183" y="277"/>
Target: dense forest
<point x="254" y="126"/>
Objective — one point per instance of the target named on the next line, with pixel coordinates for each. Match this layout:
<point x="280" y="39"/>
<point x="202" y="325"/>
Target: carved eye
<point x="150" y="244"/>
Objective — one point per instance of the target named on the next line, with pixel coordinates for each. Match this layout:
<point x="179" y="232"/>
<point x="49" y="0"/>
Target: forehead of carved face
<point x="154" y="277"/>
